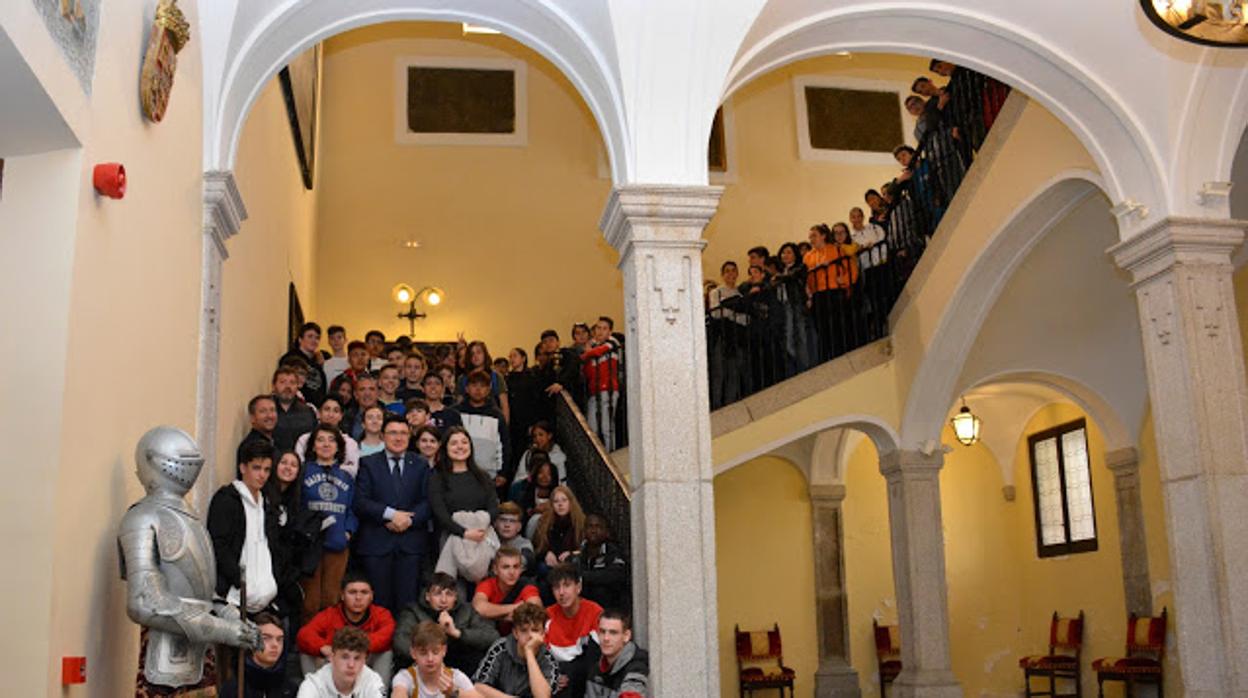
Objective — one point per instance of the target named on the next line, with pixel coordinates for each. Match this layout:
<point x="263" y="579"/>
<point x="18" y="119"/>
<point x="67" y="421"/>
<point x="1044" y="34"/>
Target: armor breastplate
<point x="177" y="546"/>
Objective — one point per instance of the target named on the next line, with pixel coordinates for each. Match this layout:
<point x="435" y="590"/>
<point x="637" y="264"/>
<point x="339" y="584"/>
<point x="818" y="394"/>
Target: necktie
<point x="396" y="469"/>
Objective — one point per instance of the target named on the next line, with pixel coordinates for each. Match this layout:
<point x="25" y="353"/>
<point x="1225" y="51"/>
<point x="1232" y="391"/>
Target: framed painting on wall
<point x="301" y="90"/>
<point x="294" y="316"/>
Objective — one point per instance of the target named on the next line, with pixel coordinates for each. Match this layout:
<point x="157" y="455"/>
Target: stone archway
<point x="290" y="28"/>
<point x="1130" y="162"/>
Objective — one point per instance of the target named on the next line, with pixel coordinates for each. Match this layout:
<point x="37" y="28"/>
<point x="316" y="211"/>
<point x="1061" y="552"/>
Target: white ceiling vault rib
<point x="653" y="72"/>
<point x="267" y="33"/>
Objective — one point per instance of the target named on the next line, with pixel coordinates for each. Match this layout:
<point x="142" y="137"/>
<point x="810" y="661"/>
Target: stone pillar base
<point x="926" y="684"/>
<point x="836" y="679"/>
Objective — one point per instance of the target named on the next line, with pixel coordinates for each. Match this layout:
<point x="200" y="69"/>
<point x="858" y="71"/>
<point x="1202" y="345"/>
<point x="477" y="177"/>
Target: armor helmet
<point x="168" y="460"/>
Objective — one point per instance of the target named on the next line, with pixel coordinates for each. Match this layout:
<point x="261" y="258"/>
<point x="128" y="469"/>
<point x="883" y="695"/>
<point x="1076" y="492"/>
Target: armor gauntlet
<point x="151" y="603"/>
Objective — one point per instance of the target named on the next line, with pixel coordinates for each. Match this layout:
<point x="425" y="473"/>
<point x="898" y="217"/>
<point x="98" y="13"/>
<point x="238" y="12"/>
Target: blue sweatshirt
<point x="329" y="491"/>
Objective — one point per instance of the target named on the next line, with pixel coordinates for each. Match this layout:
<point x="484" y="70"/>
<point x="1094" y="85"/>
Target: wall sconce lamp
<point x="966" y="426"/>
<point x="404" y="294"/>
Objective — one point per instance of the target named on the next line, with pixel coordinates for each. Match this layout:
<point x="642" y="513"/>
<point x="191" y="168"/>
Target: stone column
<point x="1125" y="465"/>
<point x="658" y="233"/>
<point x="224" y="214"/>
<point x="835" y="677"/>
<point x="1181" y="269"/>
<point x="919" y="574"/>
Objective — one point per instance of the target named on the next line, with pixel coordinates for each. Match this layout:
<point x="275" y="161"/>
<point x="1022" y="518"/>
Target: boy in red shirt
<point x="355" y="609"/>
<point x="496" y="597"/>
<point x="572" y="633"/>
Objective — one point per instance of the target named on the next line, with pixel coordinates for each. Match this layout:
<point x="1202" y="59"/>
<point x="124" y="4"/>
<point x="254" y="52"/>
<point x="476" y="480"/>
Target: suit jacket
<point x="376" y="489"/>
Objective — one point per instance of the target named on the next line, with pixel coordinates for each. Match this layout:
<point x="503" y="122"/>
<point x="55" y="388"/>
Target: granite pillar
<point x="1182" y="277"/>
<point x="658" y="233"/>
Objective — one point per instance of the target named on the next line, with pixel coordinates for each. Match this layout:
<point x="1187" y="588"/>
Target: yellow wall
<point x="131" y="352"/>
<point x="1001" y="593"/>
<point x="771" y="195"/>
<point x="510" y="233"/>
<point x="117" y="338"/>
<point x="973" y="222"/>
<point x="765" y="565"/>
<point x="274" y="249"/>
<point x="868" y="560"/>
<point x="493" y="219"/>
<point x="1089" y="581"/>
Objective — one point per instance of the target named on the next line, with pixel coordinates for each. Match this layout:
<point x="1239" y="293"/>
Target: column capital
<point x="1173" y="241"/>
<point x="224" y="211"/>
<point x="827" y="494"/>
<point x="1123" y="461"/>
<point x="906" y="462"/>
<point x="659" y="214"/>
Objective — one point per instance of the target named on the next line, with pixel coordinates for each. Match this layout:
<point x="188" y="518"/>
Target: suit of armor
<point x="168" y="565"/>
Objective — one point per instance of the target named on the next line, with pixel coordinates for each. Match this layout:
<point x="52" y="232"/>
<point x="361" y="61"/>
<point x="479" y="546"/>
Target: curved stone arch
<point x="296" y="26"/>
<point x="1133" y="168"/>
<point x="1206" y="151"/>
<point x="934" y="386"/>
<point x="1108" y="419"/>
<point x="881" y="433"/>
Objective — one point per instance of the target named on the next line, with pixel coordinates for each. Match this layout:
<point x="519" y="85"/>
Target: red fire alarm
<point x="73" y="670"/>
<point x="110" y="179"/>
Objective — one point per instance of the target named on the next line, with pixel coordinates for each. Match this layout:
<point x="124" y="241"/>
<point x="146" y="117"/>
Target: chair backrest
<point x="758" y="644"/>
<point x="1066" y="634"/>
<point x="887" y="640"/>
<point x="1147" y="635"/>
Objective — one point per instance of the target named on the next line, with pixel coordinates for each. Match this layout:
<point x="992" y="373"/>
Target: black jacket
<point x="272" y="682"/>
<point x="292" y="423"/>
<point x="629" y="674"/>
<point x="227" y="524"/>
<point x="464" y="653"/>
<point x="315" y="388"/>
<point x="605" y="575"/>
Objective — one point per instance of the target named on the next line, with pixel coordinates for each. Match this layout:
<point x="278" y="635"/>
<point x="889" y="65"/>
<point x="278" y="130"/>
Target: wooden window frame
<point x="1068" y="547"/>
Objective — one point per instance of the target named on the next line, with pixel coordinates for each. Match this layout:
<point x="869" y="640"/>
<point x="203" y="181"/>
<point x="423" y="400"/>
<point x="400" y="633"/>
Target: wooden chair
<point x="1066" y="636"/>
<point x="760" y="662"/>
<point x="1145" y="660"/>
<point x="887" y="652"/>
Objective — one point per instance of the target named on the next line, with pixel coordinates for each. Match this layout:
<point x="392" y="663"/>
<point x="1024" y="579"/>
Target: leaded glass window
<point x="1062" y="487"/>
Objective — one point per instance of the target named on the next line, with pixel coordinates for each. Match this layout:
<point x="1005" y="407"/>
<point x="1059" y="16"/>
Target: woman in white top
<point x="543" y="436"/>
<point x="374" y="419"/>
<point x="331" y="414"/>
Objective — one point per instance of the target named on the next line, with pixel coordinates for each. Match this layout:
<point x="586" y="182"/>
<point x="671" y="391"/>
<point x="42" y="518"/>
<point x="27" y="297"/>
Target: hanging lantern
<point x="1208" y="22"/>
<point x="966" y="426"/>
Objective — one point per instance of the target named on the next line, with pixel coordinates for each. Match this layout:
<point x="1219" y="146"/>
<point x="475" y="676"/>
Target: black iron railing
<point x="599" y="483"/>
<point x="764" y="333"/>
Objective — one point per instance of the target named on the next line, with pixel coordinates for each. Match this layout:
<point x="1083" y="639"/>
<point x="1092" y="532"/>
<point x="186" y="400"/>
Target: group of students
<point x="441" y="647"/>
<point x="388" y="499"/>
<point x="815" y="300"/>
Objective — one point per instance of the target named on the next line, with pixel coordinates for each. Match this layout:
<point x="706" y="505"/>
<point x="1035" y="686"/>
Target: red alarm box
<point x="73" y="670"/>
<point x="109" y="179"/>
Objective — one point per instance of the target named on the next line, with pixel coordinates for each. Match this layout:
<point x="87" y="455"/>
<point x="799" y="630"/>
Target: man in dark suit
<point x="392" y="504"/>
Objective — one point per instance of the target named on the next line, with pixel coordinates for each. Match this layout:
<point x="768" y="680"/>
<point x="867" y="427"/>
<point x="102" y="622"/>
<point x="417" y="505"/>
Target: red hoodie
<point x="319" y="631"/>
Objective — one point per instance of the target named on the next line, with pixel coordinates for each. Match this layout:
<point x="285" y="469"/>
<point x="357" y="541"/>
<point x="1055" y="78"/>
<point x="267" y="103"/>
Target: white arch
<point x="294" y="26"/>
<point x="879" y="431"/>
<point x="1108" y="419"/>
<point x="934" y="386"/>
<point x="1022" y="402"/>
<point x="1212" y="125"/>
<point x="1112" y="135"/>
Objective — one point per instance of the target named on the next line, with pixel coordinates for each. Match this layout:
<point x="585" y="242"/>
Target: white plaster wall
<point x="38" y="217"/>
<point x="1069" y="311"/>
<point x="1156" y="145"/>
